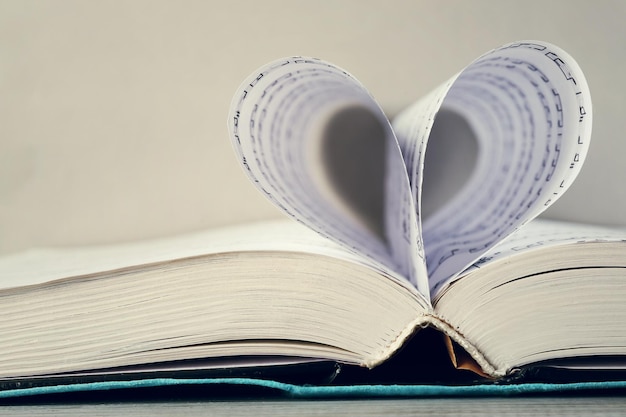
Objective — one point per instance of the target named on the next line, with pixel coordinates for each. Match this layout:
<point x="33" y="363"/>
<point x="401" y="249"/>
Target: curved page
<point x="317" y="144"/>
<point x="289" y="122"/>
<point x="530" y="109"/>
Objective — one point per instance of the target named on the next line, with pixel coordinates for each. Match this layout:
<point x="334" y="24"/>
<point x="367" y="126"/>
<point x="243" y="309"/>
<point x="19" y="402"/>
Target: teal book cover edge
<point x="328" y="391"/>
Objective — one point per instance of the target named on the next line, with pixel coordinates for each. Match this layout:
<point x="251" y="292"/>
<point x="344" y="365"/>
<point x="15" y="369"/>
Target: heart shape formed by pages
<point x="317" y="144"/>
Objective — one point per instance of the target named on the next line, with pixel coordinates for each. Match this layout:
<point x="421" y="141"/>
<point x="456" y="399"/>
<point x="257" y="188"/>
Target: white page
<point x="541" y="234"/>
<point x="530" y="109"/>
<point x="528" y="104"/>
<point x="277" y="123"/>
<point x="544" y="233"/>
<point x="40" y="265"/>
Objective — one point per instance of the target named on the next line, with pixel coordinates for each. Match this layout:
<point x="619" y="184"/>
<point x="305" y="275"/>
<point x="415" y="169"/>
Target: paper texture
<point x="527" y="103"/>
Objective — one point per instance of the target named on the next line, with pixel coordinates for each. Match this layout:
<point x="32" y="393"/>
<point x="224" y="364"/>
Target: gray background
<point x="113" y="113"/>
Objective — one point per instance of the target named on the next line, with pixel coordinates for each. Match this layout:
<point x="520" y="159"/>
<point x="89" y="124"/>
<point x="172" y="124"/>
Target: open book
<point x="362" y="269"/>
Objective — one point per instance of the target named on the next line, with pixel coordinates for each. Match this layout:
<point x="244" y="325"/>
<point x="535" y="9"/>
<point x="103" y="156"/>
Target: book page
<point x="302" y="128"/>
<point x="544" y="233"/>
<point x="289" y="121"/>
<point x="541" y="234"/>
<point x="40" y="265"/>
<point x="529" y="107"/>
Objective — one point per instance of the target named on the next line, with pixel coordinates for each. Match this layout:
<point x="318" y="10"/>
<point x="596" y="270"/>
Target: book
<point x="358" y="270"/>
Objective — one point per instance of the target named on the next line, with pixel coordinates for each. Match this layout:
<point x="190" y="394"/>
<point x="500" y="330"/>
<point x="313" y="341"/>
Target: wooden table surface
<point x="528" y="406"/>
